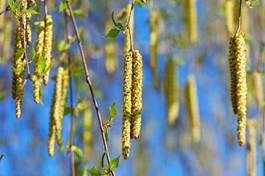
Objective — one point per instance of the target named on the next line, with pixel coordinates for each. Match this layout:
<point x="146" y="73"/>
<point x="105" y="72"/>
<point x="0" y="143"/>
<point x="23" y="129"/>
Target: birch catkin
<point x="137" y="84"/>
<point x="192" y="107"/>
<point x="237" y="62"/>
<point x="251" y="148"/>
<point x="37" y="79"/>
<point x="154" y="37"/>
<point x="48" y="36"/>
<point x="191" y="20"/>
<point x="88" y="132"/>
<point x="19" y="63"/>
<point x="127" y="104"/>
<point x="171" y="92"/>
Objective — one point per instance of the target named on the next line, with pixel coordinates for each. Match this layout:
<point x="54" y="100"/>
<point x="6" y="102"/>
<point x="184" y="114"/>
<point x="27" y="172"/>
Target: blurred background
<point x="176" y="40"/>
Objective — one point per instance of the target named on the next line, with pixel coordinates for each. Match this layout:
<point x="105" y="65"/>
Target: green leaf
<point x="32" y="11"/>
<point x="78" y="12"/>
<point x="117" y="24"/>
<point x="113" y="33"/>
<point x="78" y="152"/>
<point x="139" y="2"/>
<point x="63" y="46"/>
<point x="114" y="163"/>
<point x="84" y="172"/>
<point x="94" y="171"/>
<point x="14" y="6"/>
<point x="62" y="6"/>
<point x="112" y="112"/>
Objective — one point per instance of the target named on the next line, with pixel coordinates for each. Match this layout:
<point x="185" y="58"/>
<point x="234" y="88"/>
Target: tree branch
<point x="88" y="81"/>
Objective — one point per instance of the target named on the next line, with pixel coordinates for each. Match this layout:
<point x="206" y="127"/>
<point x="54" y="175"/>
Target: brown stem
<point x="239" y="16"/>
<point x="128" y="24"/>
<point x="88" y="81"/>
<point x="72" y="122"/>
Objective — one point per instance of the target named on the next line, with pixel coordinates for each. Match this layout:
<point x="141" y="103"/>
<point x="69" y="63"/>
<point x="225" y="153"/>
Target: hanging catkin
<point x="251" y="148"/>
<point x="19" y="63"/>
<point x="137" y="86"/>
<point x="171" y="91"/>
<point x="48" y="36"/>
<point x="191" y="20"/>
<point x="192" y="107"/>
<point x="52" y="131"/>
<point x="56" y="105"/>
<point x="258" y="88"/>
<point x="110" y="53"/>
<point x="154" y="37"/>
<point x="229" y="15"/>
<point x="88" y="132"/>
<point x="37" y="79"/>
<point x="237" y="62"/>
<point x="127" y="104"/>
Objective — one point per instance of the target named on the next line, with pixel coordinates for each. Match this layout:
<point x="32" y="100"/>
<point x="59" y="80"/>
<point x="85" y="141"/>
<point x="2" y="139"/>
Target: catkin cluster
<point x="251" y="148"/>
<point x="22" y="39"/>
<point x="19" y="64"/>
<point x="132" y="99"/>
<point x="154" y="37"/>
<point x="57" y="109"/>
<point x="192" y="107"/>
<point x="191" y="20"/>
<point x="171" y="92"/>
<point x="238" y="85"/>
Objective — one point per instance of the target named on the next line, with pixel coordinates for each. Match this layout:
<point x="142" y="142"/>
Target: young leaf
<point x="94" y="171"/>
<point x="63" y="46"/>
<point x="114" y="163"/>
<point x="78" y="12"/>
<point x="62" y="6"/>
<point x="112" y="112"/>
<point x="78" y="152"/>
<point x="113" y="33"/>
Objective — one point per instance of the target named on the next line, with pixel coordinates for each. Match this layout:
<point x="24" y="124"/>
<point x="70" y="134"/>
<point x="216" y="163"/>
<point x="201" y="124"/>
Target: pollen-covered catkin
<point x="48" y="37"/>
<point x="38" y="63"/>
<point x="258" y="88"/>
<point x="154" y="37"/>
<point x="171" y="91"/>
<point x="52" y="133"/>
<point x="137" y="88"/>
<point x="251" y="148"/>
<point x="229" y="15"/>
<point x="127" y="104"/>
<point x="56" y="106"/>
<point x="193" y="108"/>
<point x="191" y="20"/>
<point x="18" y="69"/>
<point x="237" y="62"/>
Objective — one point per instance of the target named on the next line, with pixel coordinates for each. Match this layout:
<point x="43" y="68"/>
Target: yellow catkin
<point x="52" y="132"/>
<point x="88" y="132"/>
<point x="193" y="109"/>
<point x="110" y="53"/>
<point x="171" y="92"/>
<point x="18" y="69"/>
<point x="56" y="105"/>
<point x="251" y="148"/>
<point x="191" y="20"/>
<point x="38" y="63"/>
<point x="48" y="37"/>
<point x="258" y="88"/>
<point x="137" y="88"/>
<point x="154" y="37"/>
<point x="127" y="104"/>
<point x="229" y="15"/>
<point x="237" y="62"/>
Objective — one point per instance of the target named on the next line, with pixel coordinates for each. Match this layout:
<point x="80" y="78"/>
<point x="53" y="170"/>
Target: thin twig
<point x="5" y="10"/>
<point x="239" y="16"/>
<point x="128" y="26"/>
<point x="72" y="122"/>
<point x="88" y="81"/>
